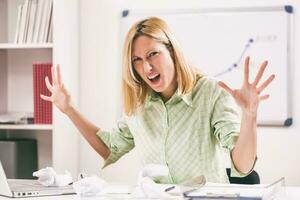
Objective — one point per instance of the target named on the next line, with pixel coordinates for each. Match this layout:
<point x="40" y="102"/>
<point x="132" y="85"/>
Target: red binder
<point x="42" y="108"/>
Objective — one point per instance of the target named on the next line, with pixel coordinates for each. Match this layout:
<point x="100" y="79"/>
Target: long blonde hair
<point x="135" y="90"/>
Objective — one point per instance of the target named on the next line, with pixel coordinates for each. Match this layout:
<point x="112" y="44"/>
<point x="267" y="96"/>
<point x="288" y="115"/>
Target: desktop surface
<point x="293" y="193"/>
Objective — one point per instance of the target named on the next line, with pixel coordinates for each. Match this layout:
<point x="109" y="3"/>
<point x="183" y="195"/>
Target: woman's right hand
<point x="59" y="95"/>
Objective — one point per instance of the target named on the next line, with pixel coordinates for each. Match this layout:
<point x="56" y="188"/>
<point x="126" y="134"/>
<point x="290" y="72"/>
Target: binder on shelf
<point x="42" y="109"/>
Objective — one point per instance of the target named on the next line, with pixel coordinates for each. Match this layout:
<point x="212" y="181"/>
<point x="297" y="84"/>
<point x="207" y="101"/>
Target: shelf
<point x="16" y="79"/>
<point x="26" y="46"/>
<point x="26" y="126"/>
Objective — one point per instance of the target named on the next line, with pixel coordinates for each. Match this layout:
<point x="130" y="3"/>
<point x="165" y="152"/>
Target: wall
<point x="66" y="53"/>
<point x="278" y="147"/>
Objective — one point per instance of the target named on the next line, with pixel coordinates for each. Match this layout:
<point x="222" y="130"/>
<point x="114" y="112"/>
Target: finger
<point x="226" y="87"/>
<point x="264" y="97"/>
<point x="48" y="84"/>
<point x="246" y="70"/>
<point x="46" y="98"/>
<point x="53" y="75"/>
<point x="266" y="83"/>
<point x="58" y="74"/>
<point x="260" y="72"/>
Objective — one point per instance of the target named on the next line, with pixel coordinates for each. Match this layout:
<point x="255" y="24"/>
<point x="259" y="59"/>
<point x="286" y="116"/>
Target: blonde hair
<point x="135" y="90"/>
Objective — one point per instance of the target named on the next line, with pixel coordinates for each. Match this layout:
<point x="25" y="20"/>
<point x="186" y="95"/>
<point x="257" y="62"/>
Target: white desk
<point x="293" y="193"/>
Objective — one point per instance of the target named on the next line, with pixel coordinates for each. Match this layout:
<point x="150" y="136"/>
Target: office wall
<point x="278" y="147"/>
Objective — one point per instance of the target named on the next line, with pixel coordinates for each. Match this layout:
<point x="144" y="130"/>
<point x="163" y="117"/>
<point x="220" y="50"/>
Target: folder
<point x="238" y="191"/>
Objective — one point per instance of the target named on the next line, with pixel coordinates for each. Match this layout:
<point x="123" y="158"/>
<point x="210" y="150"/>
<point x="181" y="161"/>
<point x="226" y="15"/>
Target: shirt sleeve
<point x="119" y="141"/>
<point x="225" y="122"/>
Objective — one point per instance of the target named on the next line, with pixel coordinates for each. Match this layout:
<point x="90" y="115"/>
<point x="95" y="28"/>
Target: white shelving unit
<point x="26" y="127"/>
<point x="26" y="46"/>
<point x="57" y="143"/>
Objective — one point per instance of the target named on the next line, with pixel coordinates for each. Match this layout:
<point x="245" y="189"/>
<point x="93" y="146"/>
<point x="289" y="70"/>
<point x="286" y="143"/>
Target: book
<point x="42" y="108"/>
<point x="48" y="20"/>
<point x="18" y="23"/>
<point x="43" y="21"/>
<point x="37" y="25"/>
<point x="31" y="21"/>
<point x="50" y="34"/>
<point x="27" y="21"/>
<point x="23" y="22"/>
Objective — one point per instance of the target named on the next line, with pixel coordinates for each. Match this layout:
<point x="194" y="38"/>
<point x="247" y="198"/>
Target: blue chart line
<point x="236" y="64"/>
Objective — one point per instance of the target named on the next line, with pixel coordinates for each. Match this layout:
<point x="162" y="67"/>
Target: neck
<point x="166" y="95"/>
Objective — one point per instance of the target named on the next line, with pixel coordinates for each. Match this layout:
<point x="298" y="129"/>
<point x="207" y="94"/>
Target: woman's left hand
<point x="249" y="95"/>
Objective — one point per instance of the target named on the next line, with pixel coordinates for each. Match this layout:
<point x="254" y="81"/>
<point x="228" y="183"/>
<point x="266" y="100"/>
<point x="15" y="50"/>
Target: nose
<point x="147" y="67"/>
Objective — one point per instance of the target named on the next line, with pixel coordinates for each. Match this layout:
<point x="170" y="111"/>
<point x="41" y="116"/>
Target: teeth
<point x="153" y="76"/>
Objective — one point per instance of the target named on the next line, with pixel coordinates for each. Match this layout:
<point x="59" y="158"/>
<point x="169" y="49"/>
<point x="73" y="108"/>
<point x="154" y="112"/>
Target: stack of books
<point x="42" y="108"/>
<point x="34" y="22"/>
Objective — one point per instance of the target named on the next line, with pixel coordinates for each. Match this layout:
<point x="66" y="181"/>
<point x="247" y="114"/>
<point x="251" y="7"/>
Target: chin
<point x="157" y="89"/>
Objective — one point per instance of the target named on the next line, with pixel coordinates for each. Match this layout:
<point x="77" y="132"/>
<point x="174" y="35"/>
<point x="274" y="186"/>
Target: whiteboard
<point x="218" y="40"/>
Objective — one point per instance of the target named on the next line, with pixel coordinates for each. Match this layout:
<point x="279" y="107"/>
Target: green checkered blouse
<point x="187" y="133"/>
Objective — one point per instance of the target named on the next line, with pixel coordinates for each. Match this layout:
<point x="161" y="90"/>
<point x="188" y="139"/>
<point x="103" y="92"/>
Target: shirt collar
<point x="188" y="98"/>
<point x="153" y="97"/>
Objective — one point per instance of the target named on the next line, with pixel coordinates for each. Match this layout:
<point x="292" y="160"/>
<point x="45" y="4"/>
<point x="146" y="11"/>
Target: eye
<point x="135" y="59"/>
<point x="152" y="54"/>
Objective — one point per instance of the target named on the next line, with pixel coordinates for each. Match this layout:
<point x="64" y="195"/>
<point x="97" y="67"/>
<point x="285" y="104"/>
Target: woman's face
<point x="153" y="62"/>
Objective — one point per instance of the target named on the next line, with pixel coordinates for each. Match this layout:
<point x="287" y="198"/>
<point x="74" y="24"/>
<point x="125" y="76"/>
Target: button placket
<point x="166" y="134"/>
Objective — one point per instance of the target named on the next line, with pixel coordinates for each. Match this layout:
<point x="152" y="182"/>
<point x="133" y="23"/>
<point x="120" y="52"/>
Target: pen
<point x="169" y="188"/>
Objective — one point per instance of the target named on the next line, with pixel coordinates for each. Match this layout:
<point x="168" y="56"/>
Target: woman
<point x="173" y="114"/>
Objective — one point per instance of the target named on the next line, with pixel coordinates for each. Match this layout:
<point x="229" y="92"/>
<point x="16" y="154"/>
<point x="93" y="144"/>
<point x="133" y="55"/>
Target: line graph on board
<point x="249" y="44"/>
<point x="237" y="63"/>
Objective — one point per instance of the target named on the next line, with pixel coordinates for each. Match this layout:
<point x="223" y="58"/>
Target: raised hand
<point x="59" y="95"/>
<point x="249" y="95"/>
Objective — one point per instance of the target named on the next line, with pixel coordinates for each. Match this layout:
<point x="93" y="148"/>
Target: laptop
<point x="28" y="188"/>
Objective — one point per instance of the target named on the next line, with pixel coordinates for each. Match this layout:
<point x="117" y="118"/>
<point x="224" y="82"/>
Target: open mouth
<point x="155" y="78"/>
